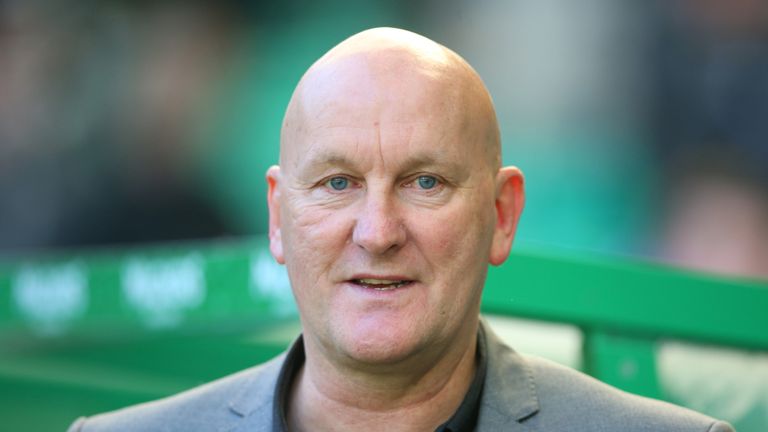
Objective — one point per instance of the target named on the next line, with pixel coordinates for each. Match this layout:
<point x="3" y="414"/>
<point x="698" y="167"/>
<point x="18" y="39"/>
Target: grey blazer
<point x="521" y="393"/>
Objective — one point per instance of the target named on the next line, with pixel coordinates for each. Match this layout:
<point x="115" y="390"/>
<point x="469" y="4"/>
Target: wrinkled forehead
<point x="387" y="91"/>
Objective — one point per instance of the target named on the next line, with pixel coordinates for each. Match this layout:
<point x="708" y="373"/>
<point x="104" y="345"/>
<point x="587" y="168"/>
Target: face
<point x="385" y="212"/>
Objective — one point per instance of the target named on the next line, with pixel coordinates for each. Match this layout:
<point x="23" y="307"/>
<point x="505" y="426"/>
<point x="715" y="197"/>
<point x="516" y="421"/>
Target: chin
<point x="380" y="349"/>
<point x="379" y="355"/>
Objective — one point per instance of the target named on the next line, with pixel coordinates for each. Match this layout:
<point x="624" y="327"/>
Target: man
<point x="388" y="205"/>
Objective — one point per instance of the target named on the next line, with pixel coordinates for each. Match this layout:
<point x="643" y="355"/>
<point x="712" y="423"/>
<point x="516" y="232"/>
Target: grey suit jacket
<point x="521" y="393"/>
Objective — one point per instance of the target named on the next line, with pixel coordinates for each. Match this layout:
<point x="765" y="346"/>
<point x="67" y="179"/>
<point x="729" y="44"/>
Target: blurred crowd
<point x="642" y="127"/>
<point x="101" y="105"/>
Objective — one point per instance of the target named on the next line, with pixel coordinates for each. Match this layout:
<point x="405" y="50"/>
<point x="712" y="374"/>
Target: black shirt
<point x="463" y="420"/>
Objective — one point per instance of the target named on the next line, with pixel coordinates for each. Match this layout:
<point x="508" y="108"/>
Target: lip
<point x="381" y="289"/>
<point x="381" y="277"/>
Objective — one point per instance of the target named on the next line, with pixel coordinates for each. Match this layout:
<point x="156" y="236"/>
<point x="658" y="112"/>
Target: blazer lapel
<point x="252" y="403"/>
<point x="509" y="392"/>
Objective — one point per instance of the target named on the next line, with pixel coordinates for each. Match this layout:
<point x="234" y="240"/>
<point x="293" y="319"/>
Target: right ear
<point x="273" y="202"/>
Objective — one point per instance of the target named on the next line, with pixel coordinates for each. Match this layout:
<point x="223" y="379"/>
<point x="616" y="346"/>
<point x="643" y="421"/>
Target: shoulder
<point x="537" y="394"/>
<point x="220" y="402"/>
<point x="579" y="402"/>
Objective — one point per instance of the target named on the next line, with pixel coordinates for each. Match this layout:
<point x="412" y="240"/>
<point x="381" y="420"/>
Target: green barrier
<point x="636" y="298"/>
<point x="86" y="331"/>
<point x="179" y="287"/>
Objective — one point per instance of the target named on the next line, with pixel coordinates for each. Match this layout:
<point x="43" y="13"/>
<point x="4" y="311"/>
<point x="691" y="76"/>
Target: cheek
<point x="307" y="224"/>
<point x="457" y="232"/>
<point x="313" y="238"/>
<point x="456" y="244"/>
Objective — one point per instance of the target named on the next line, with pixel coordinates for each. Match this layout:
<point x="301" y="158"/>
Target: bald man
<point x="388" y="205"/>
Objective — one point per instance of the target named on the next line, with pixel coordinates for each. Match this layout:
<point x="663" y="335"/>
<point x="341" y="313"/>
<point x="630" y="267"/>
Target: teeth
<point x="388" y="284"/>
<point x="379" y="282"/>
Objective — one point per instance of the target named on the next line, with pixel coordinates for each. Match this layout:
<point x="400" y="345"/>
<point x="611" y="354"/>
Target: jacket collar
<point x="509" y="393"/>
<point x="252" y="401"/>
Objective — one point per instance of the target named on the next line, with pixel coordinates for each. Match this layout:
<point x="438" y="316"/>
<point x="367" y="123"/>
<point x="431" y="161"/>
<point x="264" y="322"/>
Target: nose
<point x="379" y="227"/>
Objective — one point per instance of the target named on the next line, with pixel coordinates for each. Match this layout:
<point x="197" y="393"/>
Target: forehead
<point x="362" y="86"/>
<point x="382" y="105"/>
<point x="384" y="144"/>
<point x="361" y="136"/>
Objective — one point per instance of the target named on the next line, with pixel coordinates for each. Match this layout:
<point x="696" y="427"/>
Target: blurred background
<point x="641" y="127"/>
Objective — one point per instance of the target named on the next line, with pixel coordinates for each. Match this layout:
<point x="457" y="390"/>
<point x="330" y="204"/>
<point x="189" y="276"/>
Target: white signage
<point x="163" y="289"/>
<point x="50" y="296"/>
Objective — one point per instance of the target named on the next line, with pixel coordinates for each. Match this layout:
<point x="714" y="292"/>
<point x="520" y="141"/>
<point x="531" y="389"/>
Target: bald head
<point x="390" y="175"/>
<point x="396" y="74"/>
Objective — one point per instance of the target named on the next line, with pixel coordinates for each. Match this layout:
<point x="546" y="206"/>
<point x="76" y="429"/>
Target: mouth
<point x="381" y="284"/>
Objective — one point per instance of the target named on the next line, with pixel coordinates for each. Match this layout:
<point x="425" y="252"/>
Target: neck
<point x="418" y="394"/>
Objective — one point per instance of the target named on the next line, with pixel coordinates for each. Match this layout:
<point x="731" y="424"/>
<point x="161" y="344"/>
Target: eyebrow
<point x="326" y="159"/>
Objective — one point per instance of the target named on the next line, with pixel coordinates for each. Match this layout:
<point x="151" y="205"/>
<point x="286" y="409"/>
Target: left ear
<point x="510" y="199"/>
<point x="273" y="203"/>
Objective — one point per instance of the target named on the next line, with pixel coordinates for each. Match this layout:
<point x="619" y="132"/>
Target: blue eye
<point x="338" y="183"/>
<point x="426" y="182"/>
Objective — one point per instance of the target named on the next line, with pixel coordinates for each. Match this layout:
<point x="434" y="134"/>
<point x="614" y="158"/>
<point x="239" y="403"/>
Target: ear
<point x="273" y="202"/>
<point x="510" y="199"/>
